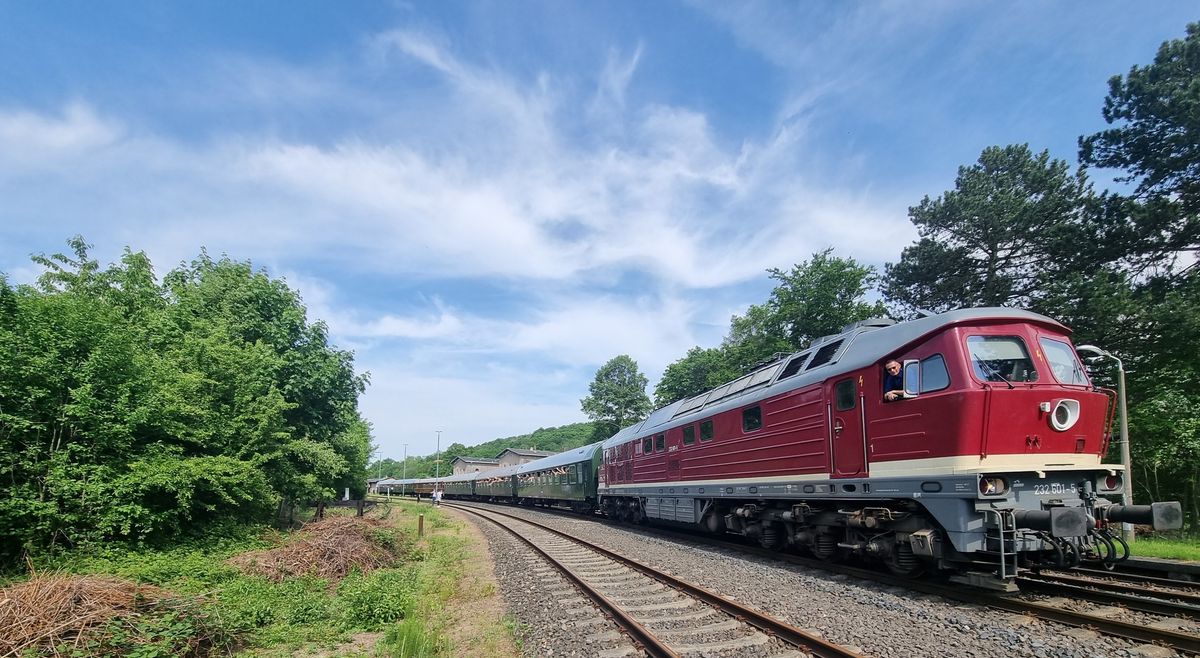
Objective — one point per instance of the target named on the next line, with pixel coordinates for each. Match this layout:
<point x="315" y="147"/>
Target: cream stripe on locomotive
<point x="964" y="464"/>
<point x="961" y="465"/>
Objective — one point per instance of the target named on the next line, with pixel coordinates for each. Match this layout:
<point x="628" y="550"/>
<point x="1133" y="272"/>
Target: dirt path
<point x="477" y="617"/>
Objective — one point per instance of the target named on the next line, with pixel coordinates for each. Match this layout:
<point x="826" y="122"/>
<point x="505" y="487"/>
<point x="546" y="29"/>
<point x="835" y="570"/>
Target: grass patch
<point x="1167" y="548"/>
<point x="261" y="616"/>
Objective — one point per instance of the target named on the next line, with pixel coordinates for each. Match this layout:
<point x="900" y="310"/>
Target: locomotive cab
<point x="1016" y="410"/>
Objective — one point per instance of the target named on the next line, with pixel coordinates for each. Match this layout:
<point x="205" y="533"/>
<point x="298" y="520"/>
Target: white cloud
<point x="28" y="137"/>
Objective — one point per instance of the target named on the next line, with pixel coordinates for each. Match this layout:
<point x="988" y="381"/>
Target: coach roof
<point x="584" y="453"/>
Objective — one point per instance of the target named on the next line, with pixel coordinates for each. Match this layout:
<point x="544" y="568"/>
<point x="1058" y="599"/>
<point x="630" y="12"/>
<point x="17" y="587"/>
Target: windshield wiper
<point x="995" y="372"/>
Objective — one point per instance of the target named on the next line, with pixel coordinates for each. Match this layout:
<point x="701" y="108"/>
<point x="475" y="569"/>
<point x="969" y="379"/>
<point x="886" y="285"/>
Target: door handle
<point x="838" y="426"/>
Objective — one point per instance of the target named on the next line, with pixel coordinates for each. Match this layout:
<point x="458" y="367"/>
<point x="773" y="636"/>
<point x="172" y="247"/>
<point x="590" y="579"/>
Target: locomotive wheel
<point x="903" y="562"/>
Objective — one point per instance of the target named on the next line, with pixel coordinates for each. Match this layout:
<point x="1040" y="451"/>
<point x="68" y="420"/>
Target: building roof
<point x="527" y="453"/>
<point x="475" y="460"/>
<point x="582" y="454"/>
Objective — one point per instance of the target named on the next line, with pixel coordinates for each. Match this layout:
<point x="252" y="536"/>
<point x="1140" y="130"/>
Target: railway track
<point x="1131" y="581"/>
<point x="1160" y="600"/>
<point x="663" y="616"/>
<point x="1067" y="603"/>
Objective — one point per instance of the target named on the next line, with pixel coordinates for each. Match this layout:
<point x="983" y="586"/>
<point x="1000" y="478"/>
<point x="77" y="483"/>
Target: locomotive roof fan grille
<point x="1064" y="414"/>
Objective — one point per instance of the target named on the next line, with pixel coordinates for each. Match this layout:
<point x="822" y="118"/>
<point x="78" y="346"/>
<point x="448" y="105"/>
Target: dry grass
<point x="330" y="548"/>
<point x="57" y="614"/>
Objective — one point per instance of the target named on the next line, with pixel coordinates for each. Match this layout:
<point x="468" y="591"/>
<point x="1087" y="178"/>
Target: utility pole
<point x="404" y="470"/>
<point x="437" y="457"/>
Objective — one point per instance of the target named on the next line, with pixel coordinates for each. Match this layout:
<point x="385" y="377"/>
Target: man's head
<point x="892" y="367"/>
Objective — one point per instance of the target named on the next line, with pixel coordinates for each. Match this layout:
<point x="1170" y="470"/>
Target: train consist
<point x="986" y="460"/>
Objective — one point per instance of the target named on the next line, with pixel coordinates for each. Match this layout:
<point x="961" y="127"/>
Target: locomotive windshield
<point x="1001" y="359"/>
<point x="1063" y="363"/>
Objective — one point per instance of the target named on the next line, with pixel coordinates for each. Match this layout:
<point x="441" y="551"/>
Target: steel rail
<point x="1126" y="576"/>
<point x="773" y="627"/>
<point x="640" y="634"/>
<point x="1138" y="633"/>
<point x="1147" y="600"/>
<point x="1181" y="642"/>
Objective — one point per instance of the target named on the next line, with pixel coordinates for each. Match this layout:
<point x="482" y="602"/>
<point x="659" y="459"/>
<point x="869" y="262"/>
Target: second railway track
<point x="662" y="615"/>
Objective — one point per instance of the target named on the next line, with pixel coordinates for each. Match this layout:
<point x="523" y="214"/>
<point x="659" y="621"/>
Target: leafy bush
<point x="369" y="602"/>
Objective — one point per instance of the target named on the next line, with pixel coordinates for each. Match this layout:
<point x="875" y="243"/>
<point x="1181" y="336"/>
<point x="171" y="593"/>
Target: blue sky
<point x="486" y="201"/>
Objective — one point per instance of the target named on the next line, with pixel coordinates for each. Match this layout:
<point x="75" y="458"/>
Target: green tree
<point x="133" y="409"/>
<point x="1155" y="138"/>
<point x="815" y="298"/>
<point x="617" y="397"/>
<point x="698" y="371"/>
<point x="997" y="238"/>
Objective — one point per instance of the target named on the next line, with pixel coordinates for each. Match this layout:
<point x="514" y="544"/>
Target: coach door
<point x="846" y="429"/>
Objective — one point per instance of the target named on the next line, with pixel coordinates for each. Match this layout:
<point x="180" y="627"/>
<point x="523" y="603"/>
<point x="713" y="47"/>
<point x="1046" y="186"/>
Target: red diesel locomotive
<point x="989" y="461"/>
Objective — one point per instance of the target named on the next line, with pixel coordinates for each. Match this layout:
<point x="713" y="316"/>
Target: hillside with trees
<point x="554" y="439"/>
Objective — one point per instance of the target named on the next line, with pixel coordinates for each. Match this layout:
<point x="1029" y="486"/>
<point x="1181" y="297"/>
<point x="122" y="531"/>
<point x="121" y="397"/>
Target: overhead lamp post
<point x="1122" y="410"/>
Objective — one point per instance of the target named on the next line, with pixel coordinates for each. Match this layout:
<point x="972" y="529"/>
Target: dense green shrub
<point x="133" y="409"/>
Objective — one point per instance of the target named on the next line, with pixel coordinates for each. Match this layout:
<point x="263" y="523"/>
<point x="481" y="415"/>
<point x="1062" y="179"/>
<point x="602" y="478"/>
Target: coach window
<point x="934" y="376"/>
<point x="1001" y="359"/>
<point x="843" y="392"/>
<point x="706" y="431"/>
<point x="647" y="446"/>
<point x="751" y="419"/>
<point x="689" y="435"/>
<point x="660" y="442"/>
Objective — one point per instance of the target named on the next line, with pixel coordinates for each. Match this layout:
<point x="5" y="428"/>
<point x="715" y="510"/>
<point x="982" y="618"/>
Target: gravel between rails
<point x="553" y="619"/>
<point x="877" y="620"/>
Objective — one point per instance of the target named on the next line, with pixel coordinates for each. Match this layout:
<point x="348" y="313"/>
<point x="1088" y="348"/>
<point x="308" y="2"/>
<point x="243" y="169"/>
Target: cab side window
<point x="751" y="419"/>
<point x="843" y="393"/>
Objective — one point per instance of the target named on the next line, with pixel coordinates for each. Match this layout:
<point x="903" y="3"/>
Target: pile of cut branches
<point x="330" y="548"/>
<point x="64" y="615"/>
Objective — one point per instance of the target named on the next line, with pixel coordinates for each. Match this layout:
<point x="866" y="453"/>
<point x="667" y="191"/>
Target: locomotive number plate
<point x="1054" y="489"/>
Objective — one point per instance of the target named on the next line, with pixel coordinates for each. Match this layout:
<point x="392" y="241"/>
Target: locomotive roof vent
<point x="822" y="340"/>
<point x="869" y="323"/>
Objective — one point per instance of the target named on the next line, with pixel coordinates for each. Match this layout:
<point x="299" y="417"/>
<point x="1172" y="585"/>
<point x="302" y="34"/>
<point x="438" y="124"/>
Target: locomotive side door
<point x="846" y="428"/>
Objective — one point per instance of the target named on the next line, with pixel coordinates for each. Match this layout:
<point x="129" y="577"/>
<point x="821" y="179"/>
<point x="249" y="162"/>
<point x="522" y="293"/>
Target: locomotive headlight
<point x="1064" y="414"/>
<point x="992" y="486"/>
<point x="1108" y="482"/>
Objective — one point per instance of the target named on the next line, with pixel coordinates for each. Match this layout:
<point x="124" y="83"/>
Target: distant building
<point x="514" y="457"/>
<point x="471" y="464"/>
